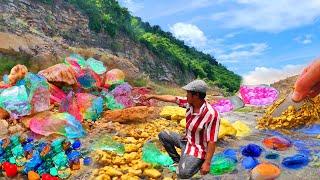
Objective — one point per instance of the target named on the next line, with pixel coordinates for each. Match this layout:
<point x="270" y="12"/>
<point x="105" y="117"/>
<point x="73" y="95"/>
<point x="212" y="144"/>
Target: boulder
<point x="132" y="114"/>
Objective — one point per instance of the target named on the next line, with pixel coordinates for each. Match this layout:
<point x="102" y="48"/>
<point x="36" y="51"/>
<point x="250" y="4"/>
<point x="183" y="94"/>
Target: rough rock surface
<point x="285" y="86"/>
<point x="133" y="114"/>
<point x="43" y="34"/>
<point x="3" y="127"/>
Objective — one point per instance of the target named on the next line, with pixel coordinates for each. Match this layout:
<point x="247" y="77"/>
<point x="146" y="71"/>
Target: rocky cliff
<point x="40" y="35"/>
<point x="285" y="86"/>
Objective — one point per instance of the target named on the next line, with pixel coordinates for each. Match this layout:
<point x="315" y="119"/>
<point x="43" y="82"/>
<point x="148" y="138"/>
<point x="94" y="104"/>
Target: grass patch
<point x="7" y="62"/>
<point x="140" y="82"/>
<point x="248" y="109"/>
<point x="245" y="109"/>
<point x="163" y="89"/>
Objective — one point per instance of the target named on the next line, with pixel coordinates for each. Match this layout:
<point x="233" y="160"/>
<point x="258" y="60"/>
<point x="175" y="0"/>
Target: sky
<point x="263" y="41"/>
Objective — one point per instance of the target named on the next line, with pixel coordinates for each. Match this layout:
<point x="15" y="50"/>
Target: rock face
<point x="285" y="86"/>
<point x="43" y="35"/>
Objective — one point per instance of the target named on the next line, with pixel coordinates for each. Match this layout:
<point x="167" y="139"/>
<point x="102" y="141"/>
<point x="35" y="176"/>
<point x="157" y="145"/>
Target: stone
<point x="64" y="174"/>
<point x="33" y="175"/>
<point x="295" y="162"/>
<point x="4" y="114"/>
<point x="15" y="129"/>
<point x="75" y="166"/>
<point x="173" y="112"/>
<point x="290" y="117"/>
<point x="252" y="150"/>
<point x="242" y="128"/>
<point x="60" y="73"/>
<point x="3" y="127"/>
<point x="265" y="171"/>
<point x="139" y="114"/>
<point x="222" y="164"/>
<point x="277" y="143"/>
<point x="129" y="177"/>
<point x="153" y="173"/>
<point x="10" y="169"/>
<point x="226" y="129"/>
<point x="249" y="162"/>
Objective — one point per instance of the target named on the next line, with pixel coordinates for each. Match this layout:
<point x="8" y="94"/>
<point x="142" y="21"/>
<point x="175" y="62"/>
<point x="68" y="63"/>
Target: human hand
<point x="308" y="83"/>
<point x="205" y="168"/>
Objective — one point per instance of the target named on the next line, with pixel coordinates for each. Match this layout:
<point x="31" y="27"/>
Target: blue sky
<point x="263" y="41"/>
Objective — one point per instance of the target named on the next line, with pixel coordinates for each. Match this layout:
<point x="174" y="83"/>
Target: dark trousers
<point x="188" y="165"/>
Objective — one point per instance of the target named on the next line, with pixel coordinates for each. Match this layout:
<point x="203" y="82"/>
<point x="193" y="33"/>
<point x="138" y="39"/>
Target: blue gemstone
<point x="272" y="156"/>
<point x="76" y="144"/>
<point x="28" y="147"/>
<point x="251" y="150"/>
<point x="29" y="139"/>
<point x="87" y="161"/>
<point x="249" y="162"/>
<point x="74" y="155"/>
<point x="295" y="162"/>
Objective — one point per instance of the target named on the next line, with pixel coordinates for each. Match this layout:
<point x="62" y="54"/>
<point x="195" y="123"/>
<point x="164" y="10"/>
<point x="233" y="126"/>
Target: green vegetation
<point x="108" y="16"/>
<point x="140" y="81"/>
<point x="6" y="63"/>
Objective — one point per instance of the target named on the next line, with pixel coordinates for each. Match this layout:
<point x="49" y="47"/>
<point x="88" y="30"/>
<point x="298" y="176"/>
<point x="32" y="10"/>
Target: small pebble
<point x="272" y="156"/>
<point x="33" y="175"/>
<point x="76" y="144"/>
<point x="87" y="161"/>
<point x="53" y="171"/>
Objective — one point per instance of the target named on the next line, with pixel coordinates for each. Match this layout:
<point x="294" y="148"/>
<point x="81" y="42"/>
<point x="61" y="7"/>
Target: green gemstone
<point x="12" y="160"/>
<point x="53" y="171"/>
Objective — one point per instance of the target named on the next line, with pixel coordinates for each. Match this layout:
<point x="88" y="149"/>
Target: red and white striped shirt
<point x="201" y="128"/>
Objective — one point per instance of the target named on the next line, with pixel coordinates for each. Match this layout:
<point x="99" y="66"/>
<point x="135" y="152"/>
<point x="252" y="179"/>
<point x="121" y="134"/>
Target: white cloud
<point x="270" y="15"/>
<point x="189" y="33"/>
<point x="218" y="47"/>
<point x="306" y="39"/>
<point x="131" y="5"/>
<point x="264" y="75"/>
<point x="242" y="52"/>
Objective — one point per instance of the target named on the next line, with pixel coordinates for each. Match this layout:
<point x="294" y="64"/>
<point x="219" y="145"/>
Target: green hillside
<point x="107" y="16"/>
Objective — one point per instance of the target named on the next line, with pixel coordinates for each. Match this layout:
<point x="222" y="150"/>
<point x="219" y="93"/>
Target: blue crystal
<point x="87" y="161"/>
<point x="76" y="144"/>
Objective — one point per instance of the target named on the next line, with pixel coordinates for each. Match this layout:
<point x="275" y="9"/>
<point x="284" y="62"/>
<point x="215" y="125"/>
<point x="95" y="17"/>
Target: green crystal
<point x="15" y="140"/>
<point x="151" y="154"/>
<point x="56" y="145"/>
<point x="79" y="59"/>
<point x="17" y="151"/>
<point x="60" y="160"/>
<point x="106" y="143"/>
<point x="96" y="66"/>
<point x="222" y="164"/>
<point x="111" y="103"/>
<point x="12" y="160"/>
<point x="53" y="171"/>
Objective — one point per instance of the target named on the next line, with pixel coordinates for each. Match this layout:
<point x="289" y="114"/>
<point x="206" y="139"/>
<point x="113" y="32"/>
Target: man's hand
<point x="308" y="83"/>
<point x="166" y="98"/>
<point x="205" y="168"/>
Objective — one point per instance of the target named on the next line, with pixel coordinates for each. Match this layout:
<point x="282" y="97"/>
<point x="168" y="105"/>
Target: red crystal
<point x="10" y="169"/>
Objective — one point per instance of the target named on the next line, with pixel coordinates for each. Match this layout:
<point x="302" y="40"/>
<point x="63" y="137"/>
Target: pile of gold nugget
<point x="291" y="118"/>
<point x="130" y="166"/>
